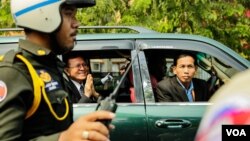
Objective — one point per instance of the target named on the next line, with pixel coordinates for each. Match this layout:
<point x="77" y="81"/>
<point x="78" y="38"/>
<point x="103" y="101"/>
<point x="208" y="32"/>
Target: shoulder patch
<point x="45" y="76"/>
<point x="3" y="90"/>
<point x="50" y="83"/>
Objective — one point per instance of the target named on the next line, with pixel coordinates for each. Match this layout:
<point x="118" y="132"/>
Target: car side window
<point x="107" y="68"/>
<point x="210" y="70"/>
<point x="113" y="69"/>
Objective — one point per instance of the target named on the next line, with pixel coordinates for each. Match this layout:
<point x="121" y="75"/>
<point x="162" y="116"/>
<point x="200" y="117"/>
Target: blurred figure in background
<point x="124" y="92"/>
<point x="231" y="106"/>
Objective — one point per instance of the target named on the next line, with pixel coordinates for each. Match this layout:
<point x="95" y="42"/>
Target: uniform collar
<point x="33" y="48"/>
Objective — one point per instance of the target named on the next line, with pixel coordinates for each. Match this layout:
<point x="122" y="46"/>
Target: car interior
<point x="108" y="62"/>
<point x="210" y="69"/>
<point x="104" y="62"/>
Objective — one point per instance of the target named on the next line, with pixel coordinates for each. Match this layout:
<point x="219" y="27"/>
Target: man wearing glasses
<point x="82" y="81"/>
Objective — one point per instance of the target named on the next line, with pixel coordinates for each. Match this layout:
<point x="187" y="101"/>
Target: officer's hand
<point x="88" y="128"/>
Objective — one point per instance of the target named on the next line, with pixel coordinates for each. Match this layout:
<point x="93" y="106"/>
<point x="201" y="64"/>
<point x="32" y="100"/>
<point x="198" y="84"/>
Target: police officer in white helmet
<point x="31" y="107"/>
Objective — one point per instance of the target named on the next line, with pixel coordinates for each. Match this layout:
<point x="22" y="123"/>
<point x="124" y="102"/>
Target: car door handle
<point x="172" y="123"/>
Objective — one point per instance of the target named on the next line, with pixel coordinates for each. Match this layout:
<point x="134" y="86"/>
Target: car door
<point x="130" y="121"/>
<point x="179" y="121"/>
<point x="169" y="121"/>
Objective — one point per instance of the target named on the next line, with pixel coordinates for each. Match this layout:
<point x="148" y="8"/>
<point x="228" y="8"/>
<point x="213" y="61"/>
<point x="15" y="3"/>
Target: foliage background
<point x="227" y="21"/>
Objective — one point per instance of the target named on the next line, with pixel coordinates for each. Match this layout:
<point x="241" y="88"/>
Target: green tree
<point x="5" y="16"/>
<point x="227" y="21"/>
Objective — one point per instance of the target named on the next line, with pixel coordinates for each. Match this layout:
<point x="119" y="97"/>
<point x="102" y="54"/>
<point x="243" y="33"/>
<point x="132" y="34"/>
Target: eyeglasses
<point x="79" y="66"/>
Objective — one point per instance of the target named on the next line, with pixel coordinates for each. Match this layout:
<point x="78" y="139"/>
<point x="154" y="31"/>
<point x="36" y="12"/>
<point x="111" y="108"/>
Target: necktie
<point x="190" y="96"/>
<point x="190" y="92"/>
<point x="81" y="90"/>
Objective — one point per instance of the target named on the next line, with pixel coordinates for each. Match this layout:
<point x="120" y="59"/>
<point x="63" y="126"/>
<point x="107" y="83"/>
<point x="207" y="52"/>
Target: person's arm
<point x="75" y="95"/>
<point x="13" y="111"/>
<point x="88" y="124"/>
<point x="207" y="93"/>
<point x="96" y="130"/>
<point x="89" y="95"/>
<point x="97" y="82"/>
<point x="85" y="99"/>
<point x="108" y="77"/>
<point x="201" y="90"/>
<point x="53" y="137"/>
<point x="162" y="92"/>
<point x="15" y="88"/>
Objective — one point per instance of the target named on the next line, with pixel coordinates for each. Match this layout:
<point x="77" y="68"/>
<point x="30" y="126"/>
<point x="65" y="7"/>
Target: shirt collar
<point x="78" y="85"/>
<point x="191" y="87"/>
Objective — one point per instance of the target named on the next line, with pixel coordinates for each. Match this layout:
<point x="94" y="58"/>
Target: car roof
<point x="139" y="34"/>
<point x="161" y="36"/>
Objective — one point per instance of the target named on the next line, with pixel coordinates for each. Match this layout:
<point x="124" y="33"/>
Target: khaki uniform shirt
<point x="16" y="96"/>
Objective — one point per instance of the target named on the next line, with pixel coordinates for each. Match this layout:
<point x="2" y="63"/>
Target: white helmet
<point x="42" y="15"/>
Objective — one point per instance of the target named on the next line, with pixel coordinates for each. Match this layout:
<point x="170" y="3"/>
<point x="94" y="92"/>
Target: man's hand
<point x="88" y="88"/>
<point x="87" y="128"/>
<point x="95" y="94"/>
<point x="108" y="77"/>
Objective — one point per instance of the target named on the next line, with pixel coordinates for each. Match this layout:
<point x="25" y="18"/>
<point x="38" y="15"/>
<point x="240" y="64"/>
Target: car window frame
<point x="174" y="44"/>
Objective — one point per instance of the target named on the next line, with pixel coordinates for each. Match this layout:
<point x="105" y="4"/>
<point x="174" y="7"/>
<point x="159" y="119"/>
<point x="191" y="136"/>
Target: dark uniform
<point x="14" y="104"/>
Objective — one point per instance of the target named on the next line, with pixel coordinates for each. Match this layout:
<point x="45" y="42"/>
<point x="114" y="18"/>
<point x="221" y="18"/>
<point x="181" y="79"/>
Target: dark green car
<point x="139" y="117"/>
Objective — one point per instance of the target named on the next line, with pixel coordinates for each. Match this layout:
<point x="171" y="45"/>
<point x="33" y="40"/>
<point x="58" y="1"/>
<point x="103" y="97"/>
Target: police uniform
<point x="16" y="96"/>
